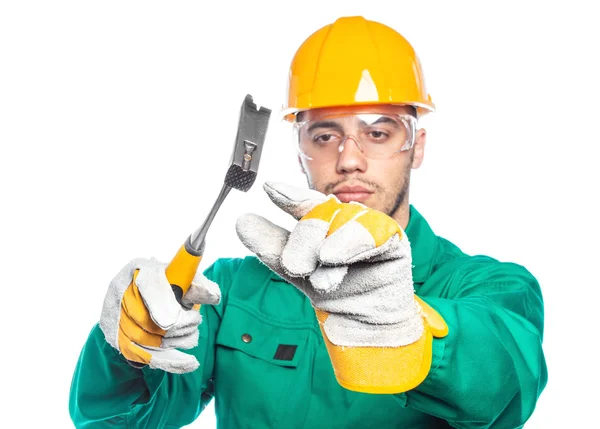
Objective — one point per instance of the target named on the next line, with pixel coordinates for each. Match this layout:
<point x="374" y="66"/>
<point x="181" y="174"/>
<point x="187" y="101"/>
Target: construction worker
<point x="360" y="317"/>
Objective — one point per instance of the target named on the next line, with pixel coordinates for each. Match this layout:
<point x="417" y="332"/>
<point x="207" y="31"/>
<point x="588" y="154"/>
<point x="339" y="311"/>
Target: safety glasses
<point x="377" y="136"/>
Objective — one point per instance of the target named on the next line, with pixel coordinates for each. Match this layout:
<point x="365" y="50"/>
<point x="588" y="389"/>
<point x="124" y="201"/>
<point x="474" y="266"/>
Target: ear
<point x="419" y="148"/>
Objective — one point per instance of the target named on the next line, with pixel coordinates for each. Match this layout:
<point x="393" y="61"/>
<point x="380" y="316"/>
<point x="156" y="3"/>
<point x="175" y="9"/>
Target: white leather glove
<point x="354" y="264"/>
<point x="142" y="319"/>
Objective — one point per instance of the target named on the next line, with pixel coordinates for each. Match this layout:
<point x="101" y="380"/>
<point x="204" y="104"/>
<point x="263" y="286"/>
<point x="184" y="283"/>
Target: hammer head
<point x="249" y="142"/>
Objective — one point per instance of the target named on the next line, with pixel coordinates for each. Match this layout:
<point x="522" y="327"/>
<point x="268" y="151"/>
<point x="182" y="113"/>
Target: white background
<point x="117" y="120"/>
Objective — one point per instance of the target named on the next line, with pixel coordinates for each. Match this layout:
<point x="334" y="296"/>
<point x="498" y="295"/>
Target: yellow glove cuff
<point x="386" y="370"/>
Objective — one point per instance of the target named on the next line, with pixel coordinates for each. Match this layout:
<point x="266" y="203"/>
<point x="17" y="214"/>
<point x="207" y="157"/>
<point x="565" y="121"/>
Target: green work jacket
<point x="263" y="360"/>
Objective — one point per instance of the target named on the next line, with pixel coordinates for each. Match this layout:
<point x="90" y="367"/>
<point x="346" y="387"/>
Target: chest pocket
<point x="262" y="369"/>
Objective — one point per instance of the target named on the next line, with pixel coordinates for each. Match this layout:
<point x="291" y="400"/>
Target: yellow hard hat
<point x="355" y="62"/>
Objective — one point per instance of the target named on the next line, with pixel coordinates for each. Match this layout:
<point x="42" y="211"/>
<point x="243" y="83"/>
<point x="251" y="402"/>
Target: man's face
<point x="350" y="174"/>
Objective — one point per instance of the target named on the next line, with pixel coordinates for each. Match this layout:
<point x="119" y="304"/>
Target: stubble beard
<point x="390" y="209"/>
<point x="401" y="193"/>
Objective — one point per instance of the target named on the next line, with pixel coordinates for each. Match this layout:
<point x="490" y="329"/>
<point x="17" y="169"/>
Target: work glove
<point x="355" y="266"/>
<point x="142" y="319"/>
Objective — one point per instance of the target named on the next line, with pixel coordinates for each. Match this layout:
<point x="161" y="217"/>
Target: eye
<point x="378" y="136"/>
<point x="324" y="138"/>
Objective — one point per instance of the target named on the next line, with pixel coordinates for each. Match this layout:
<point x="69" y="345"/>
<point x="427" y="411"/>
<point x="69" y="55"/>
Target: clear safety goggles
<point x="377" y="136"/>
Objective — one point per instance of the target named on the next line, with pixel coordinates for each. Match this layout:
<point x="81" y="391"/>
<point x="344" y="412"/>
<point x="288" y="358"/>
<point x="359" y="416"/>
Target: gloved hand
<point x="142" y="319"/>
<point x="355" y="266"/>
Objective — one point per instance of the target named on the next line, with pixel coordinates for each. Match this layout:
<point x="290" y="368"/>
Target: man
<point x="359" y="317"/>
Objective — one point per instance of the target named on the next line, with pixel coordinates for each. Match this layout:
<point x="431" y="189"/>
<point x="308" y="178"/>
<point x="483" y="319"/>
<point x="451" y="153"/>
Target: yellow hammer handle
<point x="181" y="271"/>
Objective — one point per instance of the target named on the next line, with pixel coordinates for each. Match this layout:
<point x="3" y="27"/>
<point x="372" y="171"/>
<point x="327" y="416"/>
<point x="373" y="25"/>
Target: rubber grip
<point x="181" y="271"/>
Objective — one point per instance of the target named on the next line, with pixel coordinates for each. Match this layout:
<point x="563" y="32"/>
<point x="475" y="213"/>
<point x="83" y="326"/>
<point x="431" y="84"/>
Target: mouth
<point x="357" y="194"/>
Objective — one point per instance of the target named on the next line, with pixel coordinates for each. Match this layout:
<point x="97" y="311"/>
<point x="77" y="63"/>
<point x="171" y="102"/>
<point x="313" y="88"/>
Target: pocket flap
<point x="263" y="339"/>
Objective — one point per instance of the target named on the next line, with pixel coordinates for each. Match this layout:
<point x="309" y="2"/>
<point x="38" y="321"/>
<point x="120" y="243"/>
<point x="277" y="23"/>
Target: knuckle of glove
<point x="202" y="291"/>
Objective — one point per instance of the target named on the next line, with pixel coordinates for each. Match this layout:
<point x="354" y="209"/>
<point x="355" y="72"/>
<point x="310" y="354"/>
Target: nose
<point x="351" y="157"/>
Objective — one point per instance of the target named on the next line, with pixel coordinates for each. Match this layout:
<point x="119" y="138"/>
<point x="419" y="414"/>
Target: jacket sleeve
<point x="106" y="392"/>
<point x="489" y="371"/>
